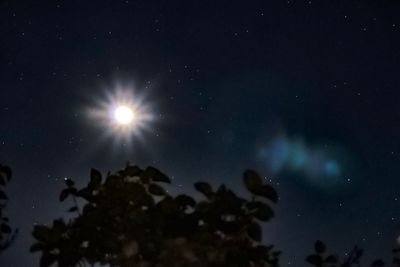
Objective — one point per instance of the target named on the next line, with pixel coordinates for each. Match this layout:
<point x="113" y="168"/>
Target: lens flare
<point x="123" y="113"/>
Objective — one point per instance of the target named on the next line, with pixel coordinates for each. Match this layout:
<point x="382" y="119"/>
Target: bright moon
<point x="123" y="115"/>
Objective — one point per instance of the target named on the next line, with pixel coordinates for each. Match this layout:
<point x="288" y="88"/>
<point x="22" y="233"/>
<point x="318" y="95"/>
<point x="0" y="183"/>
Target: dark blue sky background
<point x="226" y="80"/>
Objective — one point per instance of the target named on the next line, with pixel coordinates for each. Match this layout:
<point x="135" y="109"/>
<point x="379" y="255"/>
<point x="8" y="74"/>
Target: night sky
<point x="304" y="92"/>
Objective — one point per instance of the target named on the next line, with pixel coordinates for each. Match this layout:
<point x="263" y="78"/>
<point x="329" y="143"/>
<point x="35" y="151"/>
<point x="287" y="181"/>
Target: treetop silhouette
<point x="129" y="219"/>
<point x="6" y="233"/>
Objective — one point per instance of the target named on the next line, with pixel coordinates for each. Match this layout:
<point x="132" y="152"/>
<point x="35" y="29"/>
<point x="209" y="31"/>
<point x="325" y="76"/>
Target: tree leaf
<point x="69" y="182"/>
<point x="254" y="231"/>
<point x="184" y="200"/>
<point x="157" y="190"/>
<point x="222" y="189"/>
<point x="7" y="171"/>
<point x="263" y="212"/>
<point x="73" y="209"/>
<point x="66" y="192"/>
<point x="133" y="171"/>
<point x="3" y="196"/>
<point x="331" y="259"/>
<point x="63" y="195"/>
<point x="47" y="260"/>
<point x="319" y="247"/>
<point x="252" y="180"/>
<point x="204" y="188"/>
<point x="85" y="193"/>
<point x="5" y="228"/>
<point x="95" y="179"/>
<point x="267" y="191"/>
<point x="315" y="260"/>
<point x="41" y="232"/>
<point x="168" y="205"/>
<point x="378" y="263"/>
<point x="36" y="247"/>
<point x="156" y="175"/>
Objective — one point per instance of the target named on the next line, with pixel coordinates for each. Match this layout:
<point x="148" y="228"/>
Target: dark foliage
<point x="321" y="258"/>
<point x="7" y="235"/>
<point x="129" y="219"/>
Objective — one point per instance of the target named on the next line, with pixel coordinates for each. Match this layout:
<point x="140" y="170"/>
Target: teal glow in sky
<point x="316" y="164"/>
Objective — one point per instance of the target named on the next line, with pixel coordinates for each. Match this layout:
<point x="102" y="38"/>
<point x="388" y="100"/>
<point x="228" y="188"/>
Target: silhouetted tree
<point x="130" y="219"/>
<point x="6" y="233"/>
<point x="321" y="258"/>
